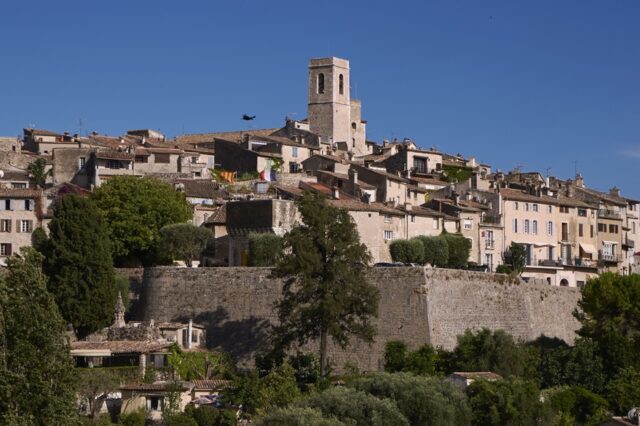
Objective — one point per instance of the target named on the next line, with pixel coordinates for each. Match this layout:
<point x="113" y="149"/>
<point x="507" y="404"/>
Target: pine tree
<point x="36" y="371"/>
<point x="79" y="265"/>
<point x="325" y="293"/>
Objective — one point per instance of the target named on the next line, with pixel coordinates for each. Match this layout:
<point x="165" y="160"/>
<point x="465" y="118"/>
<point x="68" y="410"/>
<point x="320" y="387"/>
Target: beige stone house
<point x="21" y="211"/>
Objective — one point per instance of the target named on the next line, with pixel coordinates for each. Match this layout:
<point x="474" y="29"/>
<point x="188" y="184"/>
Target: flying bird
<point x="246" y="117"/>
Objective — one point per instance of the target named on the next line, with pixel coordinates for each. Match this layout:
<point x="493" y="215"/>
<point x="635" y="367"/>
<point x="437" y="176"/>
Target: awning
<point x="544" y="245"/>
<point x="609" y="243"/>
<point x="588" y="248"/>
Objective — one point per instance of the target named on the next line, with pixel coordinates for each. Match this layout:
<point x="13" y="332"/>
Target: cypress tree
<point x="36" y="371"/>
<point x="79" y="265"/>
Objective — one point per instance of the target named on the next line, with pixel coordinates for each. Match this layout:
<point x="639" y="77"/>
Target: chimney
<point x="615" y="191"/>
<point x="455" y="197"/>
<point x="336" y="193"/>
<point x="570" y="188"/>
<point x="579" y="181"/>
<point x="353" y="176"/>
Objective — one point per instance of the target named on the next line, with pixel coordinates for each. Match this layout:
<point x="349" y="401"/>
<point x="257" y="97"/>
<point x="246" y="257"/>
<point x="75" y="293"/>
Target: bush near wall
<point x="436" y="251"/>
<point x="407" y="251"/>
<point x="459" y="249"/>
<point x="263" y="249"/>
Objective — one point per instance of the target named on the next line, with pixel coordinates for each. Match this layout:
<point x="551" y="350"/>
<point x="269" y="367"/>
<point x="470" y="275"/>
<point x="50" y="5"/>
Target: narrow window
<point x="515" y="226"/>
<point x="320" y="83"/>
<point x="341" y="84"/>
<point x="535" y="226"/>
<point x="580" y="230"/>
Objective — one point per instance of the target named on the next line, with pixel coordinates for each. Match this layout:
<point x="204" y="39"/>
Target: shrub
<point x="356" y="408"/>
<point x="297" y="416"/>
<point x="504" y="269"/>
<point x="132" y="419"/>
<point x="507" y="402"/>
<point x="407" y="251"/>
<point x="422" y="400"/>
<point x="395" y="356"/>
<point x="436" y="251"/>
<point x="459" y="249"/>
<point x="179" y="420"/>
<point x="579" y="404"/>
<point x="263" y="249"/>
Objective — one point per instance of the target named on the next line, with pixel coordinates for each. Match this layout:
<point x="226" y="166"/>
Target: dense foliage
<point x="422" y="400"/>
<point x="356" y="407"/>
<point x="436" y="251"/>
<point x="514" y="258"/>
<point x="79" y="265"/>
<point x="135" y="209"/>
<point x="407" y="251"/>
<point x="36" y="372"/>
<point x="264" y="249"/>
<point x="184" y="241"/>
<point x="38" y="169"/>
<point x="444" y="251"/>
<point x="325" y="293"/>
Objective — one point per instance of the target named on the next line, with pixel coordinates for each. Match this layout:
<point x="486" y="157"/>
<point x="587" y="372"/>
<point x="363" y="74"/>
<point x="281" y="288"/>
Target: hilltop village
<point x="246" y="182"/>
<point x="130" y="265"/>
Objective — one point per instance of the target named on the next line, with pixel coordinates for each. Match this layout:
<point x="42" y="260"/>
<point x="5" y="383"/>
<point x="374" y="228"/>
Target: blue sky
<point x="540" y="84"/>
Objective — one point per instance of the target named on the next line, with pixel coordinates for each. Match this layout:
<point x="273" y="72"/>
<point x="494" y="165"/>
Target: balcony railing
<point x="608" y="257"/>
<point x="610" y="214"/>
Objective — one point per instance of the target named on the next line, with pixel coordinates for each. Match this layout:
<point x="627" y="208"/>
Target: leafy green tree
<point x="515" y="257"/>
<point x="455" y="174"/>
<point x="264" y="249"/>
<point x="36" y="371"/>
<point x="508" y="402"/>
<point x="576" y="404"/>
<point x="422" y="400"/>
<point x="354" y="407"/>
<point x="93" y="386"/>
<point x="200" y="365"/>
<point x="609" y="312"/>
<point x="260" y="395"/>
<point x="325" y="292"/>
<point x="407" y="251"/>
<point x="136" y="418"/>
<point x="395" y="356"/>
<point x="40" y="241"/>
<point x="561" y="364"/>
<point x="436" y="250"/>
<point x="423" y="362"/>
<point x="494" y="351"/>
<point x="459" y="249"/>
<point x="297" y="416"/>
<point x="79" y="265"/>
<point x="135" y="210"/>
<point x="623" y="391"/>
<point x="38" y="169"/>
<point x="184" y="241"/>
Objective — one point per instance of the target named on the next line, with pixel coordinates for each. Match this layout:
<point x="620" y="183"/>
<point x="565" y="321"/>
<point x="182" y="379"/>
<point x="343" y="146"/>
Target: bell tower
<point x="329" y="109"/>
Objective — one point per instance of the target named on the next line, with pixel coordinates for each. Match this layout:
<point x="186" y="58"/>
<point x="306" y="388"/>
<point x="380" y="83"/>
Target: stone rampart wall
<point x="417" y="305"/>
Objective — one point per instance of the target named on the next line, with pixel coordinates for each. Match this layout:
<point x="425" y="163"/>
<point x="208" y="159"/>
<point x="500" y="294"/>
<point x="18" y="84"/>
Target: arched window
<point x="320" y="83"/>
<point x="341" y="84"/>
<point x="564" y="282"/>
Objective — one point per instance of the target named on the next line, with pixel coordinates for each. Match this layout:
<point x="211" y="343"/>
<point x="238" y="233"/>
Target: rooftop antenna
<point x="575" y="168"/>
<point x="80" y="126"/>
<point x="548" y="171"/>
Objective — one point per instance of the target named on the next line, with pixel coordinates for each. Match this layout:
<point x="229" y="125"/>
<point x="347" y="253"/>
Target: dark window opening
<point x="162" y="158"/>
<point x="341" y="84"/>
<point x="320" y="83"/>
